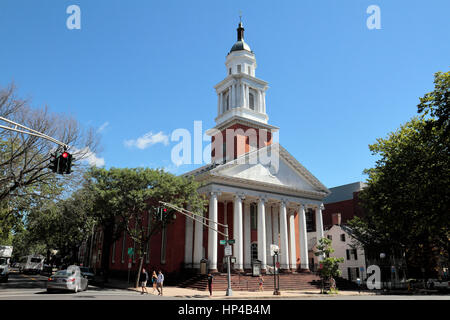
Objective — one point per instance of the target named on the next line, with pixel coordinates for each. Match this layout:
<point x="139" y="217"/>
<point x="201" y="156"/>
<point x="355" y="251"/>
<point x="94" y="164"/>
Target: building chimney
<point x="336" y="219"/>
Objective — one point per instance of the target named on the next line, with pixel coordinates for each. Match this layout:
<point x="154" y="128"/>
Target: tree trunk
<point x="138" y="276"/>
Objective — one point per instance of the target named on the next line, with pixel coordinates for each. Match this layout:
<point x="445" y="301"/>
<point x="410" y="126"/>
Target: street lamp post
<point x="276" y="277"/>
<point x="382" y="256"/>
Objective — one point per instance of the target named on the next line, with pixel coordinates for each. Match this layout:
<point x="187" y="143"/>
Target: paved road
<point x="33" y="287"/>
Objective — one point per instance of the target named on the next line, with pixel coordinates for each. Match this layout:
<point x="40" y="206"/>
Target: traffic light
<point x="53" y="163"/>
<point x="61" y="164"/>
<point x="65" y="163"/>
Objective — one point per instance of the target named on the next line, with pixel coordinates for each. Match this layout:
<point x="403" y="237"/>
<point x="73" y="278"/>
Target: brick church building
<point x="254" y="185"/>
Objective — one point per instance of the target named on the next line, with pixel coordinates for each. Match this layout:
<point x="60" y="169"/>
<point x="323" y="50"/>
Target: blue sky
<point x="145" y="68"/>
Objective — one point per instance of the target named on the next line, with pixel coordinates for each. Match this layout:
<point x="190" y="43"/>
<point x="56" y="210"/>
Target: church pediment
<point x="286" y="172"/>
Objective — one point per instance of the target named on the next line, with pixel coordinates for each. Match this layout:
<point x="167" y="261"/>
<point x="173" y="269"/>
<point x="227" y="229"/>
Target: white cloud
<point x="148" y="140"/>
<point x="103" y="127"/>
<point x="90" y="157"/>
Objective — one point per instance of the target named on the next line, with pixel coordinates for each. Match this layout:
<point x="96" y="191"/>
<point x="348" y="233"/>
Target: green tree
<point x="406" y="200"/>
<point x="329" y="266"/>
<point x="24" y="176"/>
<point x="124" y="197"/>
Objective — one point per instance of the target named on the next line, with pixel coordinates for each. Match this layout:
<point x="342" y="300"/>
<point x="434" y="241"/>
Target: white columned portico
<point x="292" y="247"/>
<point x="237" y="232"/>
<point x="189" y="230"/>
<point x="198" y="242"/>
<point x="303" y="241"/>
<point x="212" y="234"/>
<point x="284" y="242"/>
<point x="319" y="225"/>
<point x="262" y="233"/>
<point x="247" y="237"/>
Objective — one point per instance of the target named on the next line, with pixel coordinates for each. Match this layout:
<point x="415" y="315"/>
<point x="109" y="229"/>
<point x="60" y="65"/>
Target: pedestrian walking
<point x="159" y="283"/>
<point x="154" y="278"/>
<point x="358" y="281"/>
<point x="332" y="284"/>
<point x="210" y="281"/>
<point x="261" y="282"/>
<point x="143" y="278"/>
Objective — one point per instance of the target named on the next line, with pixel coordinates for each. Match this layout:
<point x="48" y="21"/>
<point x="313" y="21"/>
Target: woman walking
<point x="261" y="282"/>
<point x="154" y="278"/>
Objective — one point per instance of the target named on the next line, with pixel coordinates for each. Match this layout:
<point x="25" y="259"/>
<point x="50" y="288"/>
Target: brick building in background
<point x="344" y="200"/>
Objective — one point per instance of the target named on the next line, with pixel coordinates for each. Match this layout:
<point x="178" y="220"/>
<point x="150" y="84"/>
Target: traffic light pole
<point x="229" y="291"/>
<point x="192" y="215"/>
<point x="31" y="132"/>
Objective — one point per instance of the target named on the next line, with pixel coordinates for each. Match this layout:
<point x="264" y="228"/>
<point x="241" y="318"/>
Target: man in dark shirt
<point x="210" y="280"/>
<point x="144" y="278"/>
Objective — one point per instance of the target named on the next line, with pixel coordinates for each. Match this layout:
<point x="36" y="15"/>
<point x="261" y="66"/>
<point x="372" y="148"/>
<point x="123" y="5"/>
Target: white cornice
<point x="240" y="120"/>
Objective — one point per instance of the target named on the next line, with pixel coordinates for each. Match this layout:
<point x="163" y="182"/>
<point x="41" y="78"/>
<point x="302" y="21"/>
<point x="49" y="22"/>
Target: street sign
<point x="231" y="241"/>
<point x="223" y="242"/>
<point x="130" y="251"/>
<point x="228" y="250"/>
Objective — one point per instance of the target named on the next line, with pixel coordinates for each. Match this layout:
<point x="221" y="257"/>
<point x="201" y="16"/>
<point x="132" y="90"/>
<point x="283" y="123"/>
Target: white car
<point x="70" y="279"/>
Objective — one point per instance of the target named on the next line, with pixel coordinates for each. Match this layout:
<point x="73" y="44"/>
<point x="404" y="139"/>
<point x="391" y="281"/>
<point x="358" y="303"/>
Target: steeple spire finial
<point x="240" y="29"/>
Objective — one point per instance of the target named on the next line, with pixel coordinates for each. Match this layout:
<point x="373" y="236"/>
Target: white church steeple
<point x="241" y="94"/>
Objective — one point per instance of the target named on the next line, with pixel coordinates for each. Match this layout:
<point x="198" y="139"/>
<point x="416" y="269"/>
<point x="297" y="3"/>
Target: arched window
<point x="251" y="101"/>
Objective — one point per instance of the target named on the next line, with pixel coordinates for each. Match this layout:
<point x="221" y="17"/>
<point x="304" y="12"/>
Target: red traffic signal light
<point x="65" y="154"/>
<point x="165" y="210"/>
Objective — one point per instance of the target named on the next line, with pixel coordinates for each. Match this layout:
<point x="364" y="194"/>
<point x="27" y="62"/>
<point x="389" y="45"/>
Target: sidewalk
<point x="172" y="291"/>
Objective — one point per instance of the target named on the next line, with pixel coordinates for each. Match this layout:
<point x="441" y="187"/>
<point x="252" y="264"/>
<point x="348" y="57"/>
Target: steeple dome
<point x="240" y="43"/>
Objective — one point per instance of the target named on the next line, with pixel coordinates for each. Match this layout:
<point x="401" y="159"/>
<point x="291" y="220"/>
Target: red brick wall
<point x="241" y="142"/>
<point x="347" y="208"/>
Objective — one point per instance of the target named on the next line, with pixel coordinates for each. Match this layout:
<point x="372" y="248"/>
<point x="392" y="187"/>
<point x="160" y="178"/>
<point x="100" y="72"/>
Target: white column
<point x="241" y="95"/>
<point x="262" y="233"/>
<point x="198" y="242"/>
<point x="247" y="105"/>
<point x="232" y="93"/>
<point x="303" y="241"/>
<point x="189" y="229"/>
<point x="319" y="225"/>
<point x="269" y="240"/>
<point x="212" y="235"/>
<point x="264" y="102"/>
<point x="275" y="232"/>
<point x="247" y="237"/>
<point x="237" y="232"/>
<point x="293" y="249"/>
<point x="259" y="106"/>
<point x="221" y="102"/>
<point x="284" y="249"/>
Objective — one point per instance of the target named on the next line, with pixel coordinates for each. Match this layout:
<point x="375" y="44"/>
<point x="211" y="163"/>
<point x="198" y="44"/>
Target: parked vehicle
<point x="33" y="263"/>
<point x="88" y="273"/>
<point x="5" y="256"/>
<point x="438" y="284"/>
<point x="69" y="279"/>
